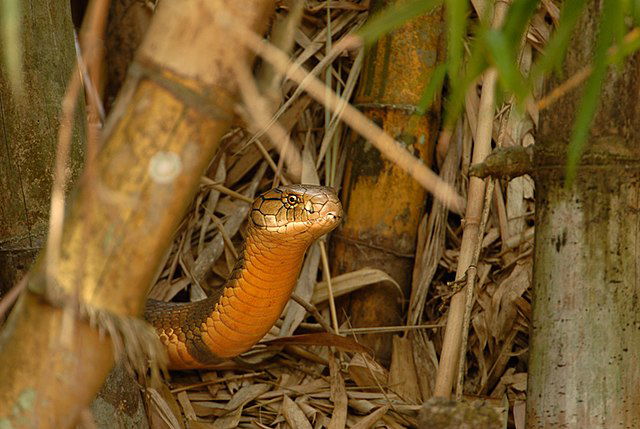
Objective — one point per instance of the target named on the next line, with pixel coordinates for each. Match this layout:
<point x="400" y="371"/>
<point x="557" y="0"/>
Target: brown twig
<point x="311" y="309"/>
<point x="224" y="190"/>
<point x="217" y="381"/>
<point x="327" y="273"/>
<point x="10" y="297"/>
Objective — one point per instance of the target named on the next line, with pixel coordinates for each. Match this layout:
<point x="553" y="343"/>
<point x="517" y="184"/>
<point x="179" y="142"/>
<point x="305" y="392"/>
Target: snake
<point x="282" y="223"/>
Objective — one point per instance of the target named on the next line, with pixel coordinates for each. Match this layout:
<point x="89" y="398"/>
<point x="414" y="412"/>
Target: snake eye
<point x="292" y="199"/>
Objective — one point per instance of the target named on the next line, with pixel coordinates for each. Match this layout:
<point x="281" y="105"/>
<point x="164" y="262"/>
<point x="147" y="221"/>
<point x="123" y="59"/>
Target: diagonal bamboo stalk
<point x="176" y="104"/>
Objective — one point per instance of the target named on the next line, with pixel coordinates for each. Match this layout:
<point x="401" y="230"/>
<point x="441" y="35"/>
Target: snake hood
<point x="297" y="211"/>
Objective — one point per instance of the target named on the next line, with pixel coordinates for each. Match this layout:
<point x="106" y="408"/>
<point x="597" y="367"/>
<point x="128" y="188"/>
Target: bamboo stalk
<point x="445" y="377"/>
<point x="176" y="104"/>
<point x="472" y="273"/>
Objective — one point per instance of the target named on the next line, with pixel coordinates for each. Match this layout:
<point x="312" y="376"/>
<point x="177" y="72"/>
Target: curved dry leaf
<point x="247" y="394"/>
<point x="163" y="408"/>
<point x="320" y="339"/>
<point x="349" y="282"/>
<point x="402" y="374"/>
<point x="504" y="309"/>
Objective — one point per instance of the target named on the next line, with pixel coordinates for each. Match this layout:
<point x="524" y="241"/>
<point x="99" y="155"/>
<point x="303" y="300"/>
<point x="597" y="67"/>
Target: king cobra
<point x="282" y="224"/>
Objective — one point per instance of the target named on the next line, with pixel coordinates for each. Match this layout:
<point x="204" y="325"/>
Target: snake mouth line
<point x="325" y="225"/>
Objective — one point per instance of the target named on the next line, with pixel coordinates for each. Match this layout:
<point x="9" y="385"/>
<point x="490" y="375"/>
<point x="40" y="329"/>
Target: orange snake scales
<point x="282" y="224"/>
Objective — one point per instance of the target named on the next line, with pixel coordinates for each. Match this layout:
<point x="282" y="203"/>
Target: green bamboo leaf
<point x="516" y="22"/>
<point x="557" y="46"/>
<point x="434" y="87"/>
<point x="612" y="16"/>
<point x="634" y="7"/>
<point x="624" y="49"/>
<point x="475" y="66"/>
<point x="504" y="58"/>
<point x="456" y="15"/>
<point x="456" y="20"/>
<point x="393" y="17"/>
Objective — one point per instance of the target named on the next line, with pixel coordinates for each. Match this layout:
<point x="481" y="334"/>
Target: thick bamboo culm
<point x="161" y="135"/>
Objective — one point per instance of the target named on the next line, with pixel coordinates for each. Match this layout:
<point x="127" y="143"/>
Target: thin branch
<point x="470" y="290"/>
<point x="581" y="75"/>
<point x="311" y="309"/>
<point x="256" y="106"/>
<point x="327" y="273"/>
<point x="390" y="148"/>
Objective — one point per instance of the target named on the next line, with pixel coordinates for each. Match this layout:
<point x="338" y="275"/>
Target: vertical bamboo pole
<point x="29" y="131"/>
<point x="448" y="364"/>
<point x="584" y="370"/>
<point x="383" y="204"/>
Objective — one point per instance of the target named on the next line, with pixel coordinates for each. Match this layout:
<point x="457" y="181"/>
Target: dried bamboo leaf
<point x="309" y="171"/>
<point x="209" y="409"/>
<point x="164" y="408"/>
<point x="338" y="396"/>
<point x="519" y="413"/>
<point x="294" y="415"/>
<point x="213" y="250"/>
<point x="349" y="87"/>
<point x="320" y="339"/>
<point x="212" y="201"/>
<point x="392" y="423"/>
<point x="313" y="46"/>
<point x="349" y="282"/>
<point x="367" y="373"/>
<point x="247" y="160"/>
<point x="228" y="421"/>
<point x="372" y="418"/>
<point x="309" y="411"/>
<point x="504" y="311"/>
<point x="247" y="394"/>
<point x="403" y="379"/>
<point x="500" y="363"/>
<point x="432" y="248"/>
<point x="425" y="360"/>
<point x="282" y="36"/>
<point x="199" y="425"/>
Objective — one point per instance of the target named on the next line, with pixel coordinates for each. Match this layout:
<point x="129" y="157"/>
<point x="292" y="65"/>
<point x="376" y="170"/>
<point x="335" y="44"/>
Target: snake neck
<point x="198" y="334"/>
<point x="268" y="262"/>
<point x="255" y="295"/>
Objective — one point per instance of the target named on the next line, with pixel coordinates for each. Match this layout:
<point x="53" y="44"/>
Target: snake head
<point x="298" y="210"/>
